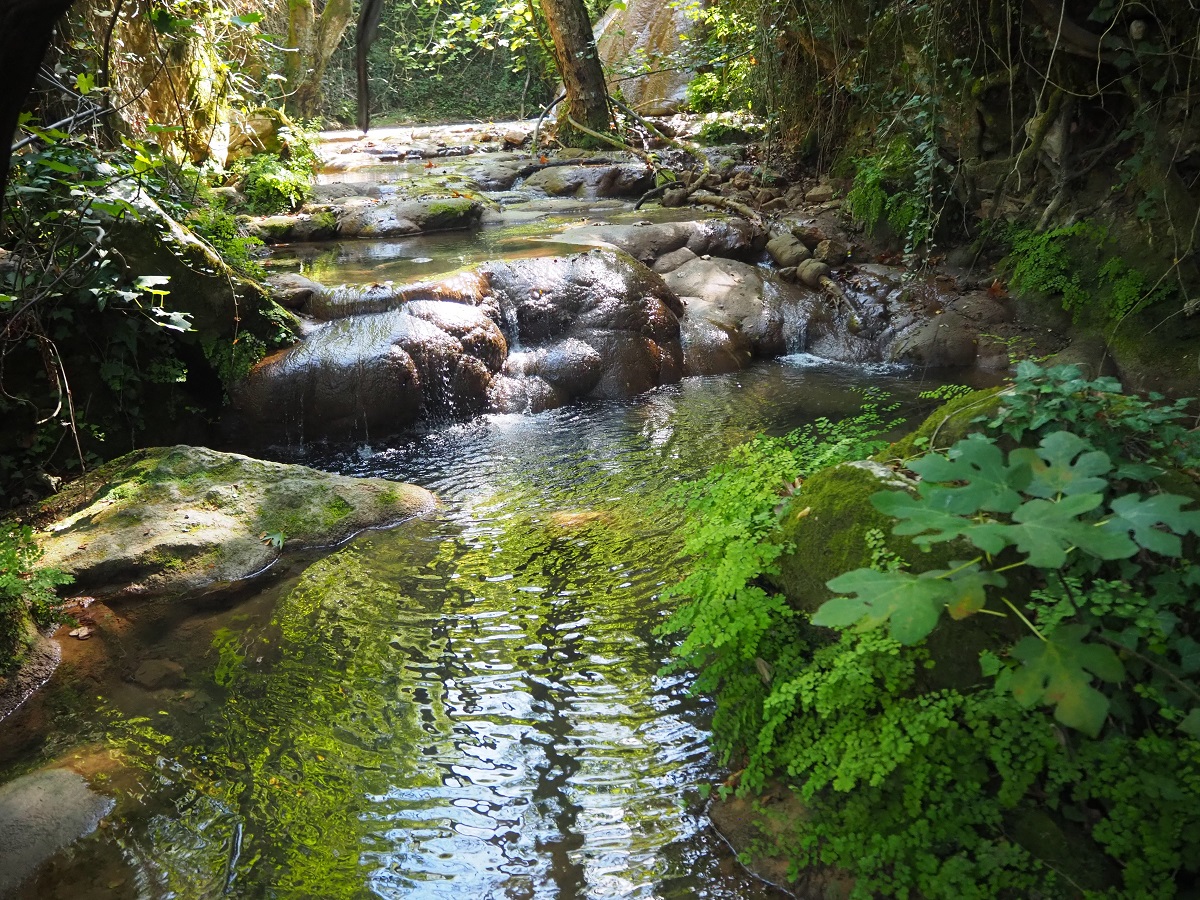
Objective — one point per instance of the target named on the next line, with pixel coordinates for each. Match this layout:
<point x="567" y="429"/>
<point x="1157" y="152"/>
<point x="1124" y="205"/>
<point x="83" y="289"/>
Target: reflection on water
<point x="466" y="707"/>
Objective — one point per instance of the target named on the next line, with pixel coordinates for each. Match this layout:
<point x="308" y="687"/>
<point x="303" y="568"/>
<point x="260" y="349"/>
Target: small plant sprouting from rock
<point x="26" y="591"/>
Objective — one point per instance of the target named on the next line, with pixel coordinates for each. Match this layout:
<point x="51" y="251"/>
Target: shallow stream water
<point x="469" y="706"/>
<point x="464" y="707"/>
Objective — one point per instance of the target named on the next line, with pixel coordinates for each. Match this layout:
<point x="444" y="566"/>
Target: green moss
<point x="827" y="525"/>
<point x="949" y="423"/>
<point x="299" y="515"/>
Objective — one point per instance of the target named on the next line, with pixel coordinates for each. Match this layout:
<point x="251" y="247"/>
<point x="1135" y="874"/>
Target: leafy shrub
<point x="26" y="591"/>
<point x="1071" y="762"/>
<point x="213" y="222"/>
<point x="273" y="184"/>
<point x="887" y="188"/>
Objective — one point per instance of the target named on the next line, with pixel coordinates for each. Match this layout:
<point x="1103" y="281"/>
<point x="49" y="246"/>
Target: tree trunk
<point x="314" y="36"/>
<point x="25" y="30"/>
<point x="579" y="67"/>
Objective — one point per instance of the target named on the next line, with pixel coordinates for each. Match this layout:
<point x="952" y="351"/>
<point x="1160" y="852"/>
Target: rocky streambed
<point x="469" y="703"/>
<point x="509" y="319"/>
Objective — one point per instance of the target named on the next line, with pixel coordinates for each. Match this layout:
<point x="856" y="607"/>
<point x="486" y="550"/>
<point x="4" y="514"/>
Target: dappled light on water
<point x="468" y="706"/>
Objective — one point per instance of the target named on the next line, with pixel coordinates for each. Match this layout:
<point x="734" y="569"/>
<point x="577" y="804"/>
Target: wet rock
<point x="675" y="197"/>
<point x="153" y="674"/>
<point x="321" y="226"/>
<point x="368" y="218"/>
<point x="811" y="271"/>
<point x="734" y="238"/>
<point x="515" y="138"/>
<point x="174" y="520"/>
<point x="947" y="340"/>
<point x="713" y="347"/>
<point x="832" y="251"/>
<point x="362" y="376"/>
<point x="295" y="292"/>
<point x="523" y="394"/>
<point x="627" y="180"/>
<point x="787" y="250"/>
<point x="40" y="814"/>
<point x="36" y="665"/>
<point x="669" y="262"/>
<point x="480" y="337"/>
<point x="596" y="324"/>
<point x="468" y="287"/>
<point x="744" y="299"/>
<point x="572" y="367"/>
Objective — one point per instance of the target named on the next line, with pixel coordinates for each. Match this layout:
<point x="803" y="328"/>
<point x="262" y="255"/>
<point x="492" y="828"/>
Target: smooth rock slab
<point x="177" y="520"/>
<point x="40" y="814"/>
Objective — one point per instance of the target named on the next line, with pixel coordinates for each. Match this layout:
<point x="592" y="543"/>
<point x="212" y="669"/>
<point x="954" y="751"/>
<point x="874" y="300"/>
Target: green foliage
<point x="895" y="186"/>
<point x="733" y="620"/>
<point x="451" y="61"/>
<point x="1125" y="426"/>
<point x="213" y="222"/>
<point x="972" y="790"/>
<point x="76" y="321"/>
<point x="1062" y="262"/>
<point x="274" y="184"/>
<point x="26" y="591"/>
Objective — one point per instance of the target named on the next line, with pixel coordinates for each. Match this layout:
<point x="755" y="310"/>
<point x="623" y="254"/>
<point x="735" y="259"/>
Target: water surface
<point x="464" y="707"/>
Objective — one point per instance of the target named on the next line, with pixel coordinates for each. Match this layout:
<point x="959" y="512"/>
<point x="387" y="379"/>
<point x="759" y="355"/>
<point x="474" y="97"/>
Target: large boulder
<point x="177" y="520"/>
<point x="596" y="324"/>
<point x="624" y="180"/>
<point x="372" y="375"/>
<point x="772" y="317"/>
<point x="647" y="243"/>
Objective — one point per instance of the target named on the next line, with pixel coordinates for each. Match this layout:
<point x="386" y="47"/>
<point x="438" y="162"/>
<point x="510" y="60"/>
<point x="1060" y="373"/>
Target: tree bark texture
<point x="314" y="37"/>
<point x="579" y="66"/>
<point x="25" y="30"/>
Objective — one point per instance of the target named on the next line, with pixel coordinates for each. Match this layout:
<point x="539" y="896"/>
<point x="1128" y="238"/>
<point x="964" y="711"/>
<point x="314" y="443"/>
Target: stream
<point x="469" y="706"/>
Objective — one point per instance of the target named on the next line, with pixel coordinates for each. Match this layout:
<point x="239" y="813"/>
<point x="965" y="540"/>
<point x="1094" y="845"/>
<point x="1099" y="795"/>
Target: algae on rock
<point x="181" y="519"/>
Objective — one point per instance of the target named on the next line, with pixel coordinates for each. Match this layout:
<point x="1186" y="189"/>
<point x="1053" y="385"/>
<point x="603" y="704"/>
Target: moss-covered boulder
<point x="829" y="523"/>
<point x="173" y="520"/>
<point x="946" y="425"/>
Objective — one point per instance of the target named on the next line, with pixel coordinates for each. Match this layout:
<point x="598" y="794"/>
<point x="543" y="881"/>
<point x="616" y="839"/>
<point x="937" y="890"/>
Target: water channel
<point x="468" y="706"/>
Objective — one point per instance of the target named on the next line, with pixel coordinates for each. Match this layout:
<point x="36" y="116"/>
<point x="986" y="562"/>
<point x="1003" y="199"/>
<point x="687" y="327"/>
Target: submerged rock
<point x="172" y="520"/>
<point x="40" y="814"/>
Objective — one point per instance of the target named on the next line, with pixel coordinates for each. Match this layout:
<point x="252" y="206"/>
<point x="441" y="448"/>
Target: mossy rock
<point x="828" y="525"/>
<point x="176" y="520"/>
<point x="946" y="425"/>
